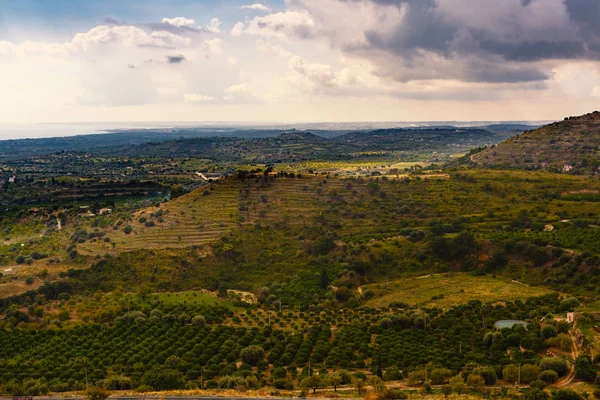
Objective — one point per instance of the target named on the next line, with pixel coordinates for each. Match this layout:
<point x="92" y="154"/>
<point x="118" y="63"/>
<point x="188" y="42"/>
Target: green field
<point x="192" y="297"/>
<point x="448" y="290"/>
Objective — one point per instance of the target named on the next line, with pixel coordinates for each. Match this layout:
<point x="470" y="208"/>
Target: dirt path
<point x="571" y="375"/>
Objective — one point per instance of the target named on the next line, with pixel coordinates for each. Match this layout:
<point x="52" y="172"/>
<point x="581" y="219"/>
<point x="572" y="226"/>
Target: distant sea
<point x="41" y="130"/>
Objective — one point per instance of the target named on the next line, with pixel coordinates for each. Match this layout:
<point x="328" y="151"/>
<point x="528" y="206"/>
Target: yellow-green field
<point x="447" y="290"/>
<point x="196" y="297"/>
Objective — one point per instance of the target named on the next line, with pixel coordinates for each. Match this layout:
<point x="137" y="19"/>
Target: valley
<point x="293" y="263"/>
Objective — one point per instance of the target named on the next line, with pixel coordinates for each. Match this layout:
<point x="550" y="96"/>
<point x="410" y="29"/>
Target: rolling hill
<point x="570" y="145"/>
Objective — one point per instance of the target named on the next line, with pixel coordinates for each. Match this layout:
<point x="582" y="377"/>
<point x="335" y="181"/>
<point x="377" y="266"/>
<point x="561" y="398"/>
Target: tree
<point x="446" y="390"/>
<point x="510" y="373"/>
<point x="476" y="382"/>
<point x="529" y="373"/>
<point x="334" y="379"/>
<point x="487" y="373"/>
<point x="440" y="376"/>
<point x="549" y="376"/>
<point x="585" y="368"/>
<point x="359" y="384"/>
<point x="199" y="320"/>
<point x="392" y="374"/>
<point x="536" y="394"/>
<point x="324" y="279"/>
<point x="162" y="378"/>
<point x="312" y="382"/>
<point x="458" y="384"/>
<point x="252" y="354"/>
<point x="557" y="364"/>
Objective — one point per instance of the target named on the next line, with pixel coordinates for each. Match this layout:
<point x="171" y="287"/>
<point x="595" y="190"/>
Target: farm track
<point x="571" y="375"/>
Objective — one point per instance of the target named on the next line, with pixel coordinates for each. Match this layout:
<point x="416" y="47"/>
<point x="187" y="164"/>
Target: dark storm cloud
<point x="534" y="50"/>
<point x="509" y="44"/>
<point x="176" y="59"/>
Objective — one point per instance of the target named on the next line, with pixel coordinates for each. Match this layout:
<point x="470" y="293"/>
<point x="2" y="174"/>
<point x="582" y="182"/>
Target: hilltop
<point x="570" y="145"/>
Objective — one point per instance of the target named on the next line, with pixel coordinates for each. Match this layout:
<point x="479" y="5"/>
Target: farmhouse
<point x="574" y="316"/>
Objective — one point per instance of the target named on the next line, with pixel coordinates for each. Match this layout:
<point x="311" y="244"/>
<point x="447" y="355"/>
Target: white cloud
<point x="240" y="92"/>
<point x="214" y="46"/>
<point x="214" y="26"/>
<point x="197" y="98"/>
<point x="256" y="7"/>
<point x="180" y="22"/>
<point x="238" y="29"/>
<point x="128" y="36"/>
<point x="282" y="25"/>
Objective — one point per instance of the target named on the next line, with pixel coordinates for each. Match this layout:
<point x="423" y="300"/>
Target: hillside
<point x="570" y="145"/>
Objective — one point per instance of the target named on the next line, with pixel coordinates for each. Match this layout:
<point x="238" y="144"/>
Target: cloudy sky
<point x="298" y="60"/>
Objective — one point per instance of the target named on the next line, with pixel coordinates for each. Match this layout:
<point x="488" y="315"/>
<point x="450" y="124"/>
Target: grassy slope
<point x="194" y="219"/>
<point x="557" y="144"/>
<point x="447" y="290"/>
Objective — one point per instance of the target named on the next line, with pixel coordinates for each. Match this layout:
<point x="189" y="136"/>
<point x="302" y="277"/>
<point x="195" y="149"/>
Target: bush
<point x="128" y="229"/>
<point x="565" y="394"/>
<point x="144" y="389"/>
<point x="29" y="280"/>
<point x="283" y="384"/>
<point x="440" y="376"/>
<point x="557" y="364"/>
<point x="538" y="384"/>
<point x="96" y="393"/>
<point x="392" y="374"/>
<point x="161" y="378"/>
<point x="549" y="376"/>
<point x="487" y="373"/>
<point x="252" y="354"/>
<point x="529" y="373"/>
<point x="199" y="320"/>
<point x="585" y="369"/>
<point x="536" y="394"/>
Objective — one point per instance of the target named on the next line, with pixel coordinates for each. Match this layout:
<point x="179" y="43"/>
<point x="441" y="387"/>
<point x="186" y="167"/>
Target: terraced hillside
<point x="200" y="217"/>
<point x="570" y="145"/>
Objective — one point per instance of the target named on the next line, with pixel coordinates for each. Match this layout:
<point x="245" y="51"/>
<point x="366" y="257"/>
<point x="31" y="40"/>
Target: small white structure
<point x="8" y="271"/>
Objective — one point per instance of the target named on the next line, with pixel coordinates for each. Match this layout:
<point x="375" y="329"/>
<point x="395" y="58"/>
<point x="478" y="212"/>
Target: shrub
<point x="549" y="376"/>
<point x="392" y="374"/>
<point x="144" y="389"/>
<point x="161" y="378"/>
<point x="252" y="354"/>
<point x="536" y="394"/>
<point x="96" y="393"/>
<point x="538" y="384"/>
<point x="585" y="369"/>
<point x="565" y="394"/>
<point x="487" y="373"/>
<point x="283" y="384"/>
<point x="557" y="364"/>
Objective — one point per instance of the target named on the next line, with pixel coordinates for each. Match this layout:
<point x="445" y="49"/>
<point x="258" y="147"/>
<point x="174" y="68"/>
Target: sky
<point x="298" y="60"/>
